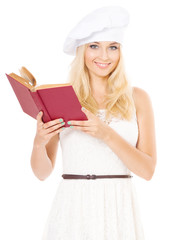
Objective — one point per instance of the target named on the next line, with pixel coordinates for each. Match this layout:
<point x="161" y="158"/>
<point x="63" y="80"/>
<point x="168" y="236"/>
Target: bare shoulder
<point x="142" y="100"/>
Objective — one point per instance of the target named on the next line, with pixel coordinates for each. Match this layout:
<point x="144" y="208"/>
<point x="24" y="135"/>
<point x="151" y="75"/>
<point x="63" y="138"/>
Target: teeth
<point x="101" y="64"/>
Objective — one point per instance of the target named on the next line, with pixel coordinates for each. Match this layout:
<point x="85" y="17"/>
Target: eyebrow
<point x="109" y="44"/>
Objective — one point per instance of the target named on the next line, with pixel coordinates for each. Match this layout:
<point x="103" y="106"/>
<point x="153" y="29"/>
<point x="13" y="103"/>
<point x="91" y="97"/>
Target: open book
<point x="55" y="100"/>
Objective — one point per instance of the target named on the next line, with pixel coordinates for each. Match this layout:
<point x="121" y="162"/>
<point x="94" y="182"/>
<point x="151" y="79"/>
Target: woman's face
<point x="101" y="58"/>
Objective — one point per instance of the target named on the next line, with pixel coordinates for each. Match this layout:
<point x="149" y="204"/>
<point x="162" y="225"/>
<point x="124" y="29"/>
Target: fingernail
<point x="61" y="120"/>
<point x="69" y="122"/>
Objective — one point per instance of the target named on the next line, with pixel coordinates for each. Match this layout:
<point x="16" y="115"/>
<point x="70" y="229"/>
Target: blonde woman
<point x="96" y="199"/>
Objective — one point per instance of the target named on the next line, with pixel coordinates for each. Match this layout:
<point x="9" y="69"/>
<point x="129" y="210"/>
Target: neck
<point x="98" y="85"/>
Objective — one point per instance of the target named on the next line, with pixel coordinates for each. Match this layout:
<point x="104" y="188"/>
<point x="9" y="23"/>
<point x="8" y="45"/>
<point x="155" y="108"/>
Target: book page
<point x="44" y="86"/>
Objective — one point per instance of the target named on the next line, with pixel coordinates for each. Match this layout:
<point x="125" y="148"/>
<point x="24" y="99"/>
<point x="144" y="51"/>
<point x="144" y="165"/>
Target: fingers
<point x="39" y="116"/>
<point x="53" y="127"/>
<point x="46" y="130"/>
<point x="49" y="124"/>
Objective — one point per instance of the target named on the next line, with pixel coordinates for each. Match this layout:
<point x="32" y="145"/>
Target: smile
<point x="102" y="65"/>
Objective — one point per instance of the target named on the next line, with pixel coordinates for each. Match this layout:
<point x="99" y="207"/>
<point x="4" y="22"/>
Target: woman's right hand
<point x="45" y="131"/>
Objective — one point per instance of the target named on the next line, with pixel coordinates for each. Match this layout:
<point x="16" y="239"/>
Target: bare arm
<point x="45" y="148"/>
<point x="140" y="159"/>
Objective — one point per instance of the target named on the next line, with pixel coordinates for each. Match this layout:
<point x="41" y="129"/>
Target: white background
<point x="32" y="35"/>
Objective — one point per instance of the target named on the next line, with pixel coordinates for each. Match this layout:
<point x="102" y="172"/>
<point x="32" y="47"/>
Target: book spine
<point x="41" y="107"/>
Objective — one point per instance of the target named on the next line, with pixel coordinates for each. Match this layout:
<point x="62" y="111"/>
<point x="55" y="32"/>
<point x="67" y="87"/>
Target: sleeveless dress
<point x="100" y="209"/>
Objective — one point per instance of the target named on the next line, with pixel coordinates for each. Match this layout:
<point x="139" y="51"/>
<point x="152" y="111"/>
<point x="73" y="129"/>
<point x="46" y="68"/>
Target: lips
<point x="102" y="65"/>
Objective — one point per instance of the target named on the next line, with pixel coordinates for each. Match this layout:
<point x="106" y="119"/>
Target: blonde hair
<point x="119" y="101"/>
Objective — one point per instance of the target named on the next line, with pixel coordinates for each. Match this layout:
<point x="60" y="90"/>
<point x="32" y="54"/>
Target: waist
<point x="93" y="176"/>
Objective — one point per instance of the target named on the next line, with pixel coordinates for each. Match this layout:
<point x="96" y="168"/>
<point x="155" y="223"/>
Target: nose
<point x="104" y="54"/>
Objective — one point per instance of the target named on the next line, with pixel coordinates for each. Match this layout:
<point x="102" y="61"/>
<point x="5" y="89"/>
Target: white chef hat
<point x="103" y="24"/>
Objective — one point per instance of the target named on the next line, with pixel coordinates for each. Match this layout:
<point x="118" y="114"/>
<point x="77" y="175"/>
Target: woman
<point x="96" y="198"/>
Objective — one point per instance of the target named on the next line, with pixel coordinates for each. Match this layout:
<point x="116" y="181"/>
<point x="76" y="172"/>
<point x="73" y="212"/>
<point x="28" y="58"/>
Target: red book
<point x="55" y="100"/>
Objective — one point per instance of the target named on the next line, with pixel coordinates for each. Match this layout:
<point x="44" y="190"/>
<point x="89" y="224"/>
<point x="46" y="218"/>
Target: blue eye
<point x="114" y="47"/>
<point x="92" y="45"/>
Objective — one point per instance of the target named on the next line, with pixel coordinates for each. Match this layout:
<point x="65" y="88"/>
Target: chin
<point x="103" y="75"/>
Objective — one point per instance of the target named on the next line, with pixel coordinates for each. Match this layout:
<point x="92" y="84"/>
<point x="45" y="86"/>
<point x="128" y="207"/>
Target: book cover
<point x="55" y="100"/>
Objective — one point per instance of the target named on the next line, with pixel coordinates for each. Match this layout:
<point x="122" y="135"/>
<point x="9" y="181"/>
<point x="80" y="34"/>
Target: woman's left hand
<point x="93" y="126"/>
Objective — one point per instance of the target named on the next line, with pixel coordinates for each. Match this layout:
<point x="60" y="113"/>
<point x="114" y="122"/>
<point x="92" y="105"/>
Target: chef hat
<point x="103" y="24"/>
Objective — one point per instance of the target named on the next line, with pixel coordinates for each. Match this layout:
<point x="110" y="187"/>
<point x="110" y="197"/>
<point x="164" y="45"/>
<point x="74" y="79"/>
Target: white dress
<point x="100" y="209"/>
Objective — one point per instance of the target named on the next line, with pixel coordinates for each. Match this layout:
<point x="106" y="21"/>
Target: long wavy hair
<point x="119" y="101"/>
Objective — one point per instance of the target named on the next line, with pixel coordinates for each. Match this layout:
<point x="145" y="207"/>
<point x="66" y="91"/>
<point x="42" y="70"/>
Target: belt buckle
<point x="93" y="176"/>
